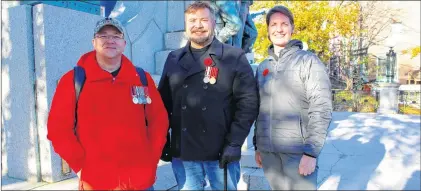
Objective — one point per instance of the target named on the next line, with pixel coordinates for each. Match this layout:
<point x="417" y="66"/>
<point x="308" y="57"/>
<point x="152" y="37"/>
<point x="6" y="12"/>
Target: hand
<point x="258" y="159"/>
<point x="230" y="154"/>
<point x="307" y="165"/>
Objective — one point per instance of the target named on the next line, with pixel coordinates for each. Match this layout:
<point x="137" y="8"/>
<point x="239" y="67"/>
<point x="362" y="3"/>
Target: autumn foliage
<point x="316" y="22"/>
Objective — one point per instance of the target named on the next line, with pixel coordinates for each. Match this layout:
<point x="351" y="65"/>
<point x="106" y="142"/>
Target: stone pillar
<point x="60" y="37"/>
<point x="18" y="97"/>
<point x="388" y="98"/>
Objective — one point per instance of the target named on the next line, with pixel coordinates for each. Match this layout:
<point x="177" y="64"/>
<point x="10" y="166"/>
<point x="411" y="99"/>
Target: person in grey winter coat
<point x="295" y="108"/>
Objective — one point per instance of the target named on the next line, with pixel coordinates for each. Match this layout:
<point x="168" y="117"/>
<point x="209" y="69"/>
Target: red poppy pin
<point x="207" y="61"/>
<point x="265" y="72"/>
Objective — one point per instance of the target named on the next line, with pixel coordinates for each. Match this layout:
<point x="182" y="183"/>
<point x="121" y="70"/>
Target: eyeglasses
<point x="112" y="37"/>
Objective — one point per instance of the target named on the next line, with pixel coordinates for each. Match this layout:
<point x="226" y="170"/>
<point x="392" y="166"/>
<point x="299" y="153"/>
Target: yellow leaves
<point x="315" y="23"/>
<point x="414" y="51"/>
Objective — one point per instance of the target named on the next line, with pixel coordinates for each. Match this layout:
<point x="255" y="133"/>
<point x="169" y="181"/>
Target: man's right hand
<point x="258" y="159"/>
<point x="230" y="154"/>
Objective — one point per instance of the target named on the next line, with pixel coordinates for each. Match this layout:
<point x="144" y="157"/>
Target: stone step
<point x="175" y="40"/>
<point x="160" y="58"/>
<point x="247" y="159"/>
<point x="165" y="177"/>
<point x="253" y="179"/>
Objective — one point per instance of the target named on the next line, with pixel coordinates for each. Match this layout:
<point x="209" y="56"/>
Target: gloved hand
<point x="166" y="151"/>
<point x="230" y="154"/>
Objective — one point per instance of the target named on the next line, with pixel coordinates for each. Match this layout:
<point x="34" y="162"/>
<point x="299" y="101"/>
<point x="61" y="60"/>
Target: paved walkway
<point x="363" y="151"/>
<point x="371" y="152"/>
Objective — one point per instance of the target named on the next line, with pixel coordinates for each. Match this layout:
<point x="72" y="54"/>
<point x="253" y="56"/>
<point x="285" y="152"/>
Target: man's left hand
<point x="230" y="154"/>
<point x="307" y="165"/>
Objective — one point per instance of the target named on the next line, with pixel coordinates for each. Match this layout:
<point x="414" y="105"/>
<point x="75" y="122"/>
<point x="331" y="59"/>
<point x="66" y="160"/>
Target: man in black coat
<point x="210" y="93"/>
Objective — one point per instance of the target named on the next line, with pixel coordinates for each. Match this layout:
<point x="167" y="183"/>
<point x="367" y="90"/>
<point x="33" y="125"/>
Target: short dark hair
<point x="280" y="9"/>
<point x="192" y="8"/>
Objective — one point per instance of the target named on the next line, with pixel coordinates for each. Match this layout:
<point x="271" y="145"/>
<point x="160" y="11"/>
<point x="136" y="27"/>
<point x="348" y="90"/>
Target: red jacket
<point x="114" y="148"/>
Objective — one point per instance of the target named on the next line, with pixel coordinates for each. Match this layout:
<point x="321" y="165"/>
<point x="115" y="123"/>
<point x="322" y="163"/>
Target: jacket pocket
<point x="285" y="132"/>
<point x="300" y="122"/>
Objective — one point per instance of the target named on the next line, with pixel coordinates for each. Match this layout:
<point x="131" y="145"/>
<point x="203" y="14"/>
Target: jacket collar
<point x="291" y="47"/>
<point x="215" y="51"/>
<point x="94" y="72"/>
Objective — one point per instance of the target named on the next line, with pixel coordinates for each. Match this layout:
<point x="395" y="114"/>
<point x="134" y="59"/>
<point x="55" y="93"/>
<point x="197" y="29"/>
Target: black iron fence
<point x="368" y="101"/>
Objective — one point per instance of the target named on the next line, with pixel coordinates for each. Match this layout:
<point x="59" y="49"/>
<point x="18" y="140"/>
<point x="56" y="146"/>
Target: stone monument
<point x="386" y="84"/>
<point x="234" y="24"/>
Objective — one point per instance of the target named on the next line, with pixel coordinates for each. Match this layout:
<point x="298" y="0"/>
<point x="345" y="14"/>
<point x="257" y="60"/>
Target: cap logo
<point x="108" y="21"/>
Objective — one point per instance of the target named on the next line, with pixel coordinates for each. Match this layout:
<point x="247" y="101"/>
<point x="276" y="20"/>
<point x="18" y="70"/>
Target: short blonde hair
<point x="192" y="8"/>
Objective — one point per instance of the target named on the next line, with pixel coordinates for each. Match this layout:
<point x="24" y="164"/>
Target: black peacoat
<point x="205" y="117"/>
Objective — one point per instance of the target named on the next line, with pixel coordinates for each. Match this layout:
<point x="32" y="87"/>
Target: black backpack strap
<point x="142" y="76"/>
<point x="144" y="81"/>
<point x="79" y="77"/>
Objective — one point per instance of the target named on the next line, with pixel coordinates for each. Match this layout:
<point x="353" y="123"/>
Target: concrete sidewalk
<point x="363" y="151"/>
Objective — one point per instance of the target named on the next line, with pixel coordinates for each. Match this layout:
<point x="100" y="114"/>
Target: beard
<point x="201" y="40"/>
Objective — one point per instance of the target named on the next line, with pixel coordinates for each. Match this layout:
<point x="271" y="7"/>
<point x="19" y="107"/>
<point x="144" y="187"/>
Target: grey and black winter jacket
<point x="295" y="102"/>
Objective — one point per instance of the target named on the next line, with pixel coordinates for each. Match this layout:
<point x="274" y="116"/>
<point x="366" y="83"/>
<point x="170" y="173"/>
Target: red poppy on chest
<point x="265" y="72"/>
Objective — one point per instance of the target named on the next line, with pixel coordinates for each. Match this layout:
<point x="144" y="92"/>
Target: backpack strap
<point x="142" y="76"/>
<point x="144" y="81"/>
<point x="79" y="78"/>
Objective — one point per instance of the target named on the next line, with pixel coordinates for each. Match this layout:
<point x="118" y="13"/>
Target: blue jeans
<point x="190" y="175"/>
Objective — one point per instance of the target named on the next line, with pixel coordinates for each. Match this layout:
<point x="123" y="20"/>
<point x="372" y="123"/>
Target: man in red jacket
<point x="112" y="147"/>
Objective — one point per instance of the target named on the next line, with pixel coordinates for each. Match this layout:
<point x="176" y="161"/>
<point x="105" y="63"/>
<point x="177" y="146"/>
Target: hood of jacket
<point x="292" y="46"/>
<point x="94" y="72"/>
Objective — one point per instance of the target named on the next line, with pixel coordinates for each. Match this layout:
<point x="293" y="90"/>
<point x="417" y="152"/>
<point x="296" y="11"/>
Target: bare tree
<point x="375" y="19"/>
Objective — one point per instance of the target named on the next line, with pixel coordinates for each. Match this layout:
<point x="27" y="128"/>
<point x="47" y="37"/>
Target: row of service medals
<point x="140" y="95"/>
<point x="211" y="72"/>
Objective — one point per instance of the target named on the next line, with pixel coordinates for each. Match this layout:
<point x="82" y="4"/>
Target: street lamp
<point x="388" y="88"/>
<point x="390" y="66"/>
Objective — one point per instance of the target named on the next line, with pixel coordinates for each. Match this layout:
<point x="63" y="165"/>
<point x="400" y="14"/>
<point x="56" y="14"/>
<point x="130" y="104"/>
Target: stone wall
<point x="41" y="43"/>
<point x="18" y="100"/>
